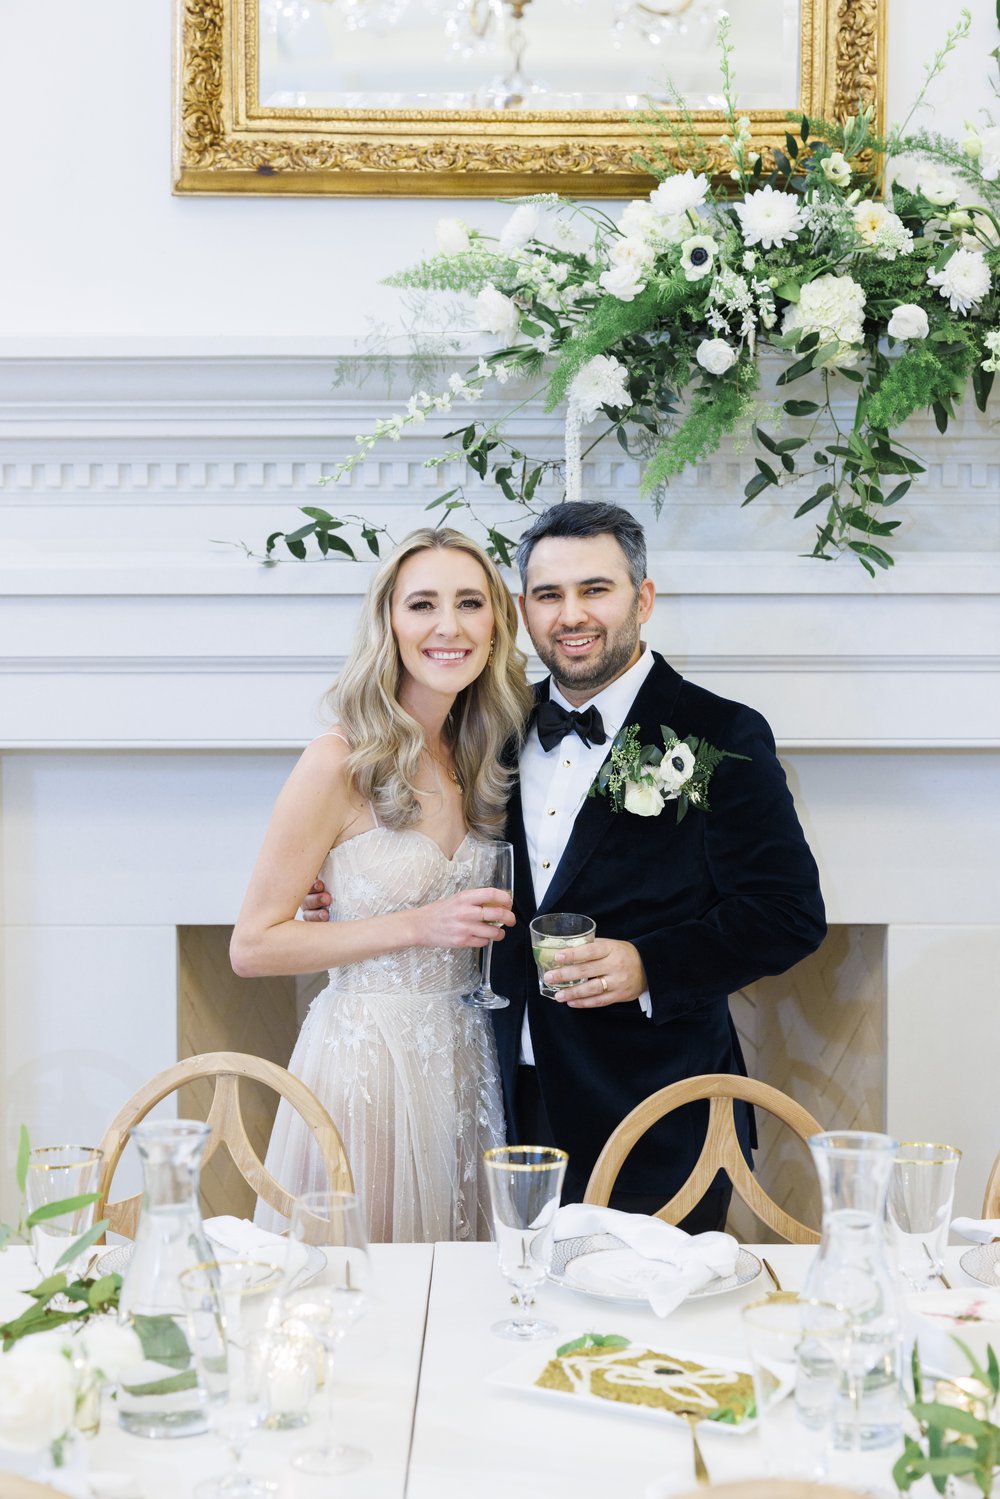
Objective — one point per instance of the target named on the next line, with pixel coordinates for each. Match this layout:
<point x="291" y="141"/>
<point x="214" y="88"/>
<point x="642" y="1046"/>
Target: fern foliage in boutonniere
<point x="642" y="778"/>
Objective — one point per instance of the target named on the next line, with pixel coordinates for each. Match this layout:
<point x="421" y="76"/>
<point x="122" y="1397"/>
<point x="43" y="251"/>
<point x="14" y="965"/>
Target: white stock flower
<point x="833" y="307"/>
<point x="675" y="768"/>
<point x="908" y="321"/>
<point x="520" y="227"/>
<point x="680" y="194"/>
<point x="622" y="282"/>
<point x="643" y="800"/>
<point x="601" y="382"/>
<point x="38" y="1388"/>
<point x="109" y="1346"/>
<point x="497" y="313"/>
<point x="698" y="256"/>
<point x="768" y="218"/>
<point x="963" y="282"/>
<point x="836" y="168"/>
<point x="989" y="159"/>
<point x="715" y="355"/>
<point x="452" y="237"/>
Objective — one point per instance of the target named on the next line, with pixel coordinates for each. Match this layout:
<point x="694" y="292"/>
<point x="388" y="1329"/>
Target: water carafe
<point x="852" y="1270"/>
<point x="160" y="1397"/>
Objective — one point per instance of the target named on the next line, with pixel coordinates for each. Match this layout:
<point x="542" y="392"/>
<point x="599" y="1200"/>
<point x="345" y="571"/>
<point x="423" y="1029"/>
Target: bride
<point x="387" y="806"/>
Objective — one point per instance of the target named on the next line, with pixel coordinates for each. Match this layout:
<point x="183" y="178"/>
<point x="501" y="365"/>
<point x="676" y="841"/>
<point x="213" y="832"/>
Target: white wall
<point x="95" y="246"/>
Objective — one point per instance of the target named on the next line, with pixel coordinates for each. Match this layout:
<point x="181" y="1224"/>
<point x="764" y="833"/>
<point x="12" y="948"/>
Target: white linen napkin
<point x="978" y="1230"/>
<point x="238" y="1238"/>
<point x="663" y="1262"/>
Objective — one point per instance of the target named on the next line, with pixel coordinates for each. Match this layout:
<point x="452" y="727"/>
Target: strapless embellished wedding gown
<point x="408" y="1073"/>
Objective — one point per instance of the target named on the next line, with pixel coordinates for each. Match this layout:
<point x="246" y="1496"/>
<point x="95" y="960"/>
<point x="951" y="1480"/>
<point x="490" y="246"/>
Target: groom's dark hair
<point x="584" y="518"/>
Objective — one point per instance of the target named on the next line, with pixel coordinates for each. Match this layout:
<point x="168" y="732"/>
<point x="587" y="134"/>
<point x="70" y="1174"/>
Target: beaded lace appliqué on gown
<point x="407" y="1072"/>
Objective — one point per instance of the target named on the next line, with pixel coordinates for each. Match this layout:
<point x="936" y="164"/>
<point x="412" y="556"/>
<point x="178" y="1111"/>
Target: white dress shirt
<point x="554" y="786"/>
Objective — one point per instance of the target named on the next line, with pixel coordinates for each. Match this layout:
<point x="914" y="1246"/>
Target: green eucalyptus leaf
<point x="50" y="1210"/>
<point x="23" y="1154"/>
<point x="83" y="1243"/>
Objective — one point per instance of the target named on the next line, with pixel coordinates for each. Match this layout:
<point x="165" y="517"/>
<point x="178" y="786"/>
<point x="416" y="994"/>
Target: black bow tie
<point x="554" y="722"/>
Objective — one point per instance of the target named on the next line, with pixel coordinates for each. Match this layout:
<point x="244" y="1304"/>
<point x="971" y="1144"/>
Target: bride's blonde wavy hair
<point x="486" y="722"/>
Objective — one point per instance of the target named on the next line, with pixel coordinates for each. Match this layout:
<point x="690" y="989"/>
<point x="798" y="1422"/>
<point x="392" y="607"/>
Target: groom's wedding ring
<point x="604" y="983"/>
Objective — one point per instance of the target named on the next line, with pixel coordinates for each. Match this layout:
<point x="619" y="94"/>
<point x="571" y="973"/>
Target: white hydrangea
<point x="496" y="313"/>
<point x="681" y="194"/>
<point x="602" y="381"/>
<point x="520" y="227"/>
<point x="964" y="280"/>
<point x="452" y="237"/>
<point x="833" y="307"/>
<point x="769" y="218"/>
<point x="908" y="321"/>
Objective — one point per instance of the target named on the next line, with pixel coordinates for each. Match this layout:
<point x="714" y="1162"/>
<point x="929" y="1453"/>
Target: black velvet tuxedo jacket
<point x="713" y="903"/>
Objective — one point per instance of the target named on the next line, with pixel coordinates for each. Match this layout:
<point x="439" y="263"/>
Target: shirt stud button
<point x="551" y="812"/>
<point x="546" y="863"/>
<point x="568" y="764"/>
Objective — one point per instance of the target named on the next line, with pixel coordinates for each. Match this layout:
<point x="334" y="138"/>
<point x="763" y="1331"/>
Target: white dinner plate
<point x="116" y="1261"/>
<point x="520" y="1376"/>
<point x="567" y="1270"/>
<point x="983" y="1264"/>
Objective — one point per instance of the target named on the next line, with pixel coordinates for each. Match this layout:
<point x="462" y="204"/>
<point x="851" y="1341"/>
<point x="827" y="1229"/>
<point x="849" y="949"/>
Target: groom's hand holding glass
<point x="602" y="972"/>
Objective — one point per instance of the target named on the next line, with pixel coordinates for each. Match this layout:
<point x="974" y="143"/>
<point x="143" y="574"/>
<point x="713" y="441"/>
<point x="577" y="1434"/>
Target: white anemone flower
<point x="674" y="770"/>
<point x="768" y="218"/>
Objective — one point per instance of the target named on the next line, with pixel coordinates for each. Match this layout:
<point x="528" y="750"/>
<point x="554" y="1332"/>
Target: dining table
<point x="448" y="1410"/>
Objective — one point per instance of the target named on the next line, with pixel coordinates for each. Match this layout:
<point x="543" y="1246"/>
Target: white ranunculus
<point x="683" y="193"/>
<point x="989" y="157"/>
<point x="768" y="218"/>
<point x="675" y="769"/>
<point x="836" y="168"/>
<point x="963" y="282"/>
<point x="452" y="237"/>
<point x="602" y="381"/>
<point x="643" y="800"/>
<point x="622" y="282"/>
<point x="109" y="1347"/>
<point x="716" y="355"/>
<point x="497" y="313"/>
<point x="38" y="1387"/>
<point x="908" y="321"/>
<point x="520" y="227"/>
<point x="833" y="307"/>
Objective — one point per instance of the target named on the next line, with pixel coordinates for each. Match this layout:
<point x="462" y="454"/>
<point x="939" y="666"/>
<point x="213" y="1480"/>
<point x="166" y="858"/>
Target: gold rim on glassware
<point x="494" y="1156"/>
<point x="253" y="1288"/>
<point x="87" y="1154"/>
<point x="954" y="1153"/>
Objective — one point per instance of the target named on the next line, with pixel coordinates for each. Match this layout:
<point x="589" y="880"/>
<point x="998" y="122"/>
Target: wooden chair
<point x="721" y="1149"/>
<point x="991" y="1197"/>
<point x="228" y="1128"/>
<point x="15" y="1486"/>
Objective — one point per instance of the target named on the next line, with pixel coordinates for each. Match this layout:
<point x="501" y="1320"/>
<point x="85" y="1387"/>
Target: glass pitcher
<point x="161" y="1397"/>
<point x="852" y="1270"/>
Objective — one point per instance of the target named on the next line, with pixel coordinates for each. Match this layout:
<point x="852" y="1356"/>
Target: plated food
<point x="662" y="1381"/>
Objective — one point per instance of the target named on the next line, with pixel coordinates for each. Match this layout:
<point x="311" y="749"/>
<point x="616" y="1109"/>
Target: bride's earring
<point x="489" y="658"/>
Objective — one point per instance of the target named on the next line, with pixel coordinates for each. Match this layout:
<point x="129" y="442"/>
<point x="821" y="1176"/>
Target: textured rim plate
<point x="116" y="1261"/>
<point x="983" y="1264"/>
<point x="564" y="1251"/>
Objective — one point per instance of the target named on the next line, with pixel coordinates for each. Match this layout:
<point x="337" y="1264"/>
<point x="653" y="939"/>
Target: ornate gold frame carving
<point x="225" y="141"/>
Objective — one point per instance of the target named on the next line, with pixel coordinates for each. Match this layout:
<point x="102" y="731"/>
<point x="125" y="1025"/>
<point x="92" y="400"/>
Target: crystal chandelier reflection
<point x="657" y="20"/>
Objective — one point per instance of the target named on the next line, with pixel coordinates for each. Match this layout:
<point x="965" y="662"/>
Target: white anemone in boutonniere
<point x="642" y="778"/>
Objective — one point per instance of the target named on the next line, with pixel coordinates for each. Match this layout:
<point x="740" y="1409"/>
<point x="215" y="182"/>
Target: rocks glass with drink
<point x="552" y="934"/>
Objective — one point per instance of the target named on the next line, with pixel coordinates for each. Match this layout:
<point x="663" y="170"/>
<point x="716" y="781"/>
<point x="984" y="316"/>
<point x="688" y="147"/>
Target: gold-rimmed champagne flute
<point x="493" y="867"/>
<point x="329" y="1305"/>
<point x="525" y="1187"/>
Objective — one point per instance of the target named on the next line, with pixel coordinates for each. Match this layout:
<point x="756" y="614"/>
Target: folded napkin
<point x="238" y="1238"/>
<point x="661" y="1262"/>
<point x="978" y="1230"/>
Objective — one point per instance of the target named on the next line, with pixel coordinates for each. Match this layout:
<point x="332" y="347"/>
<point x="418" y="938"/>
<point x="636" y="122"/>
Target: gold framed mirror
<point x="490" y="98"/>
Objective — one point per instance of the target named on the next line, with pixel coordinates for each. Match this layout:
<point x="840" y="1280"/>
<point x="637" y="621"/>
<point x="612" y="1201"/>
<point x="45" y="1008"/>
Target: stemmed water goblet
<point x="493" y="867"/>
<point x="329" y="1305"/>
<point x="525" y="1187"/>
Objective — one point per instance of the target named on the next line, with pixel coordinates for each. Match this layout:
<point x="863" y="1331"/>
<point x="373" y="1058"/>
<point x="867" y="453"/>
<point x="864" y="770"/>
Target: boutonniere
<point x="640" y="778"/>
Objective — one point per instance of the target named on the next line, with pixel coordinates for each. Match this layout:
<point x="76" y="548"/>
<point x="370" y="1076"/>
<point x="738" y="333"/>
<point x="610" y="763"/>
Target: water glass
<point x="525" y="1187"/>
<point x="797" y="1350"/>
<point x="921" y="1192"/>
<point x="58" y="1175"/>
<point x="553" y="933"/>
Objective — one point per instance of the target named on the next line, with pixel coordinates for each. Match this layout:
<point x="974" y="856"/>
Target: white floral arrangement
<point x="868" y="265"/>
<point x="642" y="778"/>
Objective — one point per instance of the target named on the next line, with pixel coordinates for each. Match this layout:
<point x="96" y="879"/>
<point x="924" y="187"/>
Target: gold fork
<point x="770" y="1271"/>
<point x="692" y="1418"/>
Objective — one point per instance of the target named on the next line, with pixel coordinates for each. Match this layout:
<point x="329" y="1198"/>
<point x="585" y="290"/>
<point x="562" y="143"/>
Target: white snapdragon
<point x="38" y="1390"/>
<point x="496" y="313"/>
<point x="908" y="321"/>
<point x="715" y="355"/>
<point x="963" y="281"/>
<point x="698" y="256"/>
<point x="452" y="237"/>
<point x="602" y="381"/>
<point x="836" y="168"/>
<point x="520" y="227"/>
<point x="643" y="799"/>
<point x="769" y="218"/>
<point x="680" y="194"/>
<point x="675" y="769"/>
<point x="833" y="307"/>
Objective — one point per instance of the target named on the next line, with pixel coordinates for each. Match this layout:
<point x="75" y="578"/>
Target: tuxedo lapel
<point x="524" y="887"/>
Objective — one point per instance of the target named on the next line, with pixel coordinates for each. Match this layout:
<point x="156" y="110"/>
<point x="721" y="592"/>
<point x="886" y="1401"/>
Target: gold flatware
<point x="692" y="1418"/>
<point x="770" y="1270"/>
<point x="938" y="1273"/>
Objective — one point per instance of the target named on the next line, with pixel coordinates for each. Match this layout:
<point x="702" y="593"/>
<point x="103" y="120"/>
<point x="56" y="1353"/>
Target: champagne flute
<point x="493" y="866"/>
<point x="329" y="1305"/>
<point x="525" y="1187"/>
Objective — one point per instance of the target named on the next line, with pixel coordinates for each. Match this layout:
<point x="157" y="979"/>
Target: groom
<point x="686" y="912"/>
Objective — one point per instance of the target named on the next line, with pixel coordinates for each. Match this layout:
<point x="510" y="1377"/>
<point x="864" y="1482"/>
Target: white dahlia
<point x="833" y="307"/>
<point x="682" y="193"/>
<point x="602" y="381"/>
<point x="768" y="218"/>
<point x="963" y="282"/>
